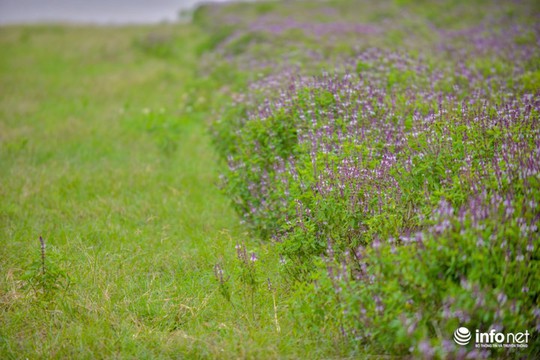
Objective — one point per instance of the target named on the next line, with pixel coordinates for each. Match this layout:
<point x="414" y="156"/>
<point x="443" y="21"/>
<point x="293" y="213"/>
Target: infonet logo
<point x="492" y="339"/>
<point x="462" y="336"/>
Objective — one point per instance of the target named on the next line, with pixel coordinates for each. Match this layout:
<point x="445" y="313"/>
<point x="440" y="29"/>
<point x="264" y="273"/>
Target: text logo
<point x="492" y="339"/>
<point x="462" y="336"/>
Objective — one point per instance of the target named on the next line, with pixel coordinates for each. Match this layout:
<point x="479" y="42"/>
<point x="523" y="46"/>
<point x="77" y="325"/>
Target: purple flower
<point x="425" y="348"/>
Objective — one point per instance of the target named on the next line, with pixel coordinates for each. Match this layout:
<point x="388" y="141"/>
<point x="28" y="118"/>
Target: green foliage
<point x="159" y="45"/>
<point x="44" y="276"/>
<point x="262" y="7"/>
<point x="104" y="147"/>
<point x="133" y="229"/>
<point x="243" y="42"/>
<point x="423" y="293"/>
<point x="531" y="81"/>
<point x="213" y="40"/>
<point x="382" y="277"/>
<point x="163" y="126"/>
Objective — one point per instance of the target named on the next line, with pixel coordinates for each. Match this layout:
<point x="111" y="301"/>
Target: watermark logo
<point x="462" y="336"/>
<point x="492" y="339"/>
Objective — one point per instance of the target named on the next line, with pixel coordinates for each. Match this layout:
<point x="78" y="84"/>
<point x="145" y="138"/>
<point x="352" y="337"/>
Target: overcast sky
<point x="100" y="11"/>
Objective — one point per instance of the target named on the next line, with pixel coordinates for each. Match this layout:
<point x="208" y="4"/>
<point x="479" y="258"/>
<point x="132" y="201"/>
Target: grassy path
<point x="102" y="155"/>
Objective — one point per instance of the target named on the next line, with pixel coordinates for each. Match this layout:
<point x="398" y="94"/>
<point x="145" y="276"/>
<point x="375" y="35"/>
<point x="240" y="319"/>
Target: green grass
<point x="104" y="152"/>
<point x="112" y="141"/>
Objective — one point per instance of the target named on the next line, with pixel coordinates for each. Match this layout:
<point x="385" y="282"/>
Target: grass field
<point x="201" y="195"/>
<point x="103" y="157"/>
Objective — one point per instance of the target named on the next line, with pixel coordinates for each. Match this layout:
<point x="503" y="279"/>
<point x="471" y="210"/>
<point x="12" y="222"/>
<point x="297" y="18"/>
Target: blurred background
<point x="96" y="11"/>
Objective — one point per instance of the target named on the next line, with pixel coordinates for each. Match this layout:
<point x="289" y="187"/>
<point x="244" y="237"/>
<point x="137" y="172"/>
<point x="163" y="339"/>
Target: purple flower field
<point x="390" y="152"/>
